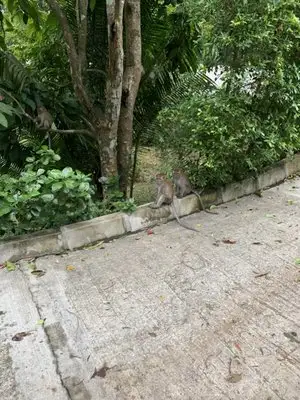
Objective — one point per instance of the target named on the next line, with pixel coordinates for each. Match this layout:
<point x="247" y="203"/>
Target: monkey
<point x="184" y="187"/>
<point x="165" y="195"/>
<point x="44" y="121"/>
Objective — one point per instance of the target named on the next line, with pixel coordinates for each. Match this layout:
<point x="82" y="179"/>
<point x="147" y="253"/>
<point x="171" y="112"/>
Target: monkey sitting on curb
<point x="184" y="187"/>
<point x="165" y="195"/>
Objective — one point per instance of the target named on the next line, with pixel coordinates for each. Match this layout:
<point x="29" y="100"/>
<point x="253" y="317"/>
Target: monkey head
<point x="160" y="178"/>
<point x="40" y="109"/>
<point x="177" y="173"/>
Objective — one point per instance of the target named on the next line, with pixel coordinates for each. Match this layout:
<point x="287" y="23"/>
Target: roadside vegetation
<point x="210" y="87"/>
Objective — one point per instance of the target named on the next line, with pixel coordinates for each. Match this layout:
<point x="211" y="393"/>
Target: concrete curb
<point x="81" y="234"/>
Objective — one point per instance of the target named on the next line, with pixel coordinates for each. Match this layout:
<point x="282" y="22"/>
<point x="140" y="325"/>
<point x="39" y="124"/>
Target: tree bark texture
<point x="108" y="128"/>
<point x="82" y="14"/>
<point x="130" y="86"/>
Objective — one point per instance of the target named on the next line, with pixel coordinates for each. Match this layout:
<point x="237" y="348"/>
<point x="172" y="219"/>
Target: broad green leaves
<point x="253" y="119"/>
<point x="44" y="197"/>
<point x="27" y="8"/>
<point x="6" y="109"/>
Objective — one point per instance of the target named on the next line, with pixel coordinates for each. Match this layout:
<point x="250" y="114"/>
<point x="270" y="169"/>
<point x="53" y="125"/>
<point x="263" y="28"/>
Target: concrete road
<point x="169" y="315"/>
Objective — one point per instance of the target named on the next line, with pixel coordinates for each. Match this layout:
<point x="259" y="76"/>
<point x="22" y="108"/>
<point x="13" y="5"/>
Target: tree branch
<point x="19" y="105"/>
<point x="73" y="56"/>
<point x="62" y="131"/>
<point x="73" y="132"/>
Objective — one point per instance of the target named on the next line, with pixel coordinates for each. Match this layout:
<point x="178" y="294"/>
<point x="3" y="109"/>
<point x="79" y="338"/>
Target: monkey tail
<point x="178" y="220"/>
<point x="201" y="203"/>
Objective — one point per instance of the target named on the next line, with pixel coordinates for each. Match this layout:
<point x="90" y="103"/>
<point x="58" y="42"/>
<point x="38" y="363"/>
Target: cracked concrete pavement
<point x="171" y="315"/>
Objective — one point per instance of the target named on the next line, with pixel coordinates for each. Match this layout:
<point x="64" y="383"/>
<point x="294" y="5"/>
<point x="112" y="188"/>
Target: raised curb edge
<point x="80" y="234"/>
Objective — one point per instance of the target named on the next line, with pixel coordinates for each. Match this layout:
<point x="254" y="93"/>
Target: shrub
<point x="45" y="197"/>
<point x="253" y="119"/>
<point x="218" y="137"/>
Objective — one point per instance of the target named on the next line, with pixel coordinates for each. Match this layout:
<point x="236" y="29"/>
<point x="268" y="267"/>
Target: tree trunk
<point x="107" y="143"/>
<point x="75" y="59"/>
<point x="105" y="131"/>
<point x="131" y="82"/>
<point x="115" y="128"/>
<point x="108" y="128"/>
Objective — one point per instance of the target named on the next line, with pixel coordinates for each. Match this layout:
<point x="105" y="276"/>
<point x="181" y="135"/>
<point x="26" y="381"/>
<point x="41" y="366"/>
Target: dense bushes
<point x="218" y="137"/>
<point x="253" y="119"/>
<point x="45" y="196"/>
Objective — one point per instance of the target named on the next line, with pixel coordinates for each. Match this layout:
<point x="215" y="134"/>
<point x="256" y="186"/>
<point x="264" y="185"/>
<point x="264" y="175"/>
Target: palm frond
<point x="10" y="168"/>
<point x="12" y="73"/>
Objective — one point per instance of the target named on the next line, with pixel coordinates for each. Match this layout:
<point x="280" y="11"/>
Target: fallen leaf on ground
<point x="238" y="346"/>
<point x="162" y="298"/>
<point x="270" y="215"/>
<point x="38" y="272"/>
<point x="70" y="268"/>
<point x="10" y="266"/>
<point x="292" y="336"/>
<point x="94" y="246"/>
<point x="297" y="261"/>
<point x="260" y="275"/>
<point x="150" y="232"/>
<point x="198" y="225"/>
<point x="229" y="241"/>
<point x="41" y="321"/>
<point x="19" y="336"/>
<point x="234" y="378"/>
<point x="291" y="202"/>
<point x="100" y="372"/>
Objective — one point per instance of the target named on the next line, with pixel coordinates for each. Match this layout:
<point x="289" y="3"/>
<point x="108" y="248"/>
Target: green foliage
<point x="22" y="10"/>
<point x="218" y="138"/>
<point x="168" y="50"/>
<point x="114" y="199"/>
<point x="240" y="34"/>
<point x="115" y="202"/>
<point x="45" y="196"/>
<point x="253" y="119"/>
<point x="5" y="110"/>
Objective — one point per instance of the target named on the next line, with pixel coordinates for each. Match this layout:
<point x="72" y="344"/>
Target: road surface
<point x="213" y="315"/>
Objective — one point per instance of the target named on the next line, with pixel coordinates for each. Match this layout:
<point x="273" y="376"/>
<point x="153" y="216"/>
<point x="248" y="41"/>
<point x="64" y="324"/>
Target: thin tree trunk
<point x="108" y="129"/>
<point x="105" y="130"/>
<point x="74" y="59"/>
<point x="82" y="14"/>
<point x="131" y="82"/>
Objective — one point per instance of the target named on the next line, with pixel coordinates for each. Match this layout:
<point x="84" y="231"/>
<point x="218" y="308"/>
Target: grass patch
<point x="148" y="165"/>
